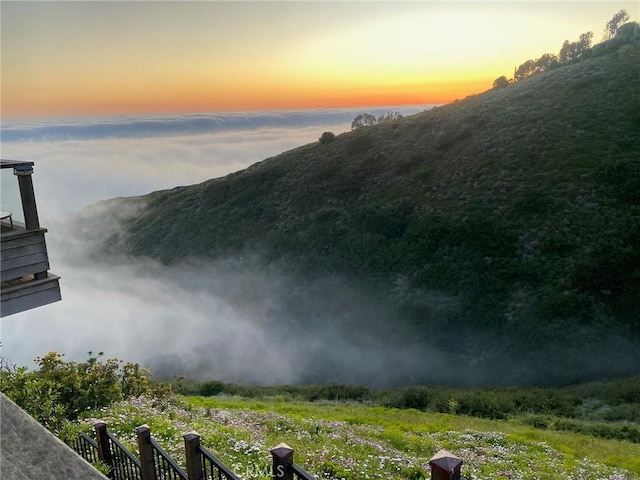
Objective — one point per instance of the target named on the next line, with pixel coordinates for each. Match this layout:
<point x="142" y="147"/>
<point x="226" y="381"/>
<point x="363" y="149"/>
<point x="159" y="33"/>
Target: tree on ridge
<point x="612" y="26"/>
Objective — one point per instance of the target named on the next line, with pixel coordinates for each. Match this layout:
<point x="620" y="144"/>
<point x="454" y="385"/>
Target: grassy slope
<point x="610" y="452"/>
<point x="511" y="217"/>
<point x="353" y="441"/>
<point x="603" y="409"/>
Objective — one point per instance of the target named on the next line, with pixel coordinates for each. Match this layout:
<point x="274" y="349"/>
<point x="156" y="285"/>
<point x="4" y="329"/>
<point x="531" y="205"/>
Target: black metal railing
<point x="213" y="468"/>
<point x="201" y="464"/>
<point x="123" y="465"/>
<point x="284" y="467"/>
<point x="86" y="447"/>
<point x="300" y="473"/>
<point x="165" y="467"/>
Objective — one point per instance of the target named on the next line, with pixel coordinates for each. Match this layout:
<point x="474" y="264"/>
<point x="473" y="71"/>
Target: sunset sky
<point x="95" y="58"/>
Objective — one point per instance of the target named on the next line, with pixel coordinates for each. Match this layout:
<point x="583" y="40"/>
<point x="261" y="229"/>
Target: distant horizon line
<point x="180" y="124"/>
<point x="79" y="116"/>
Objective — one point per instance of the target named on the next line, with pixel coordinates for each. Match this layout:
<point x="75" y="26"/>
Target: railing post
<point x="104" y="447"/>
<point x="28" y="198"/>
<point x="192" y="453"/>
<point x="147" y="463"/>
<point x="25" y="183"/>
<point x="445" y="466"/>
<point x="282" y="456"/>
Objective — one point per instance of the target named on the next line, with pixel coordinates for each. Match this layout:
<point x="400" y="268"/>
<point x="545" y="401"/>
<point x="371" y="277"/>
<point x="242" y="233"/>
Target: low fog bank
<point x="80" y="161"/>
<point x="72" y="174"/>
<point x="236" y="320"/>
<point x="159" y="126"/>
<point x="240" y="320"/>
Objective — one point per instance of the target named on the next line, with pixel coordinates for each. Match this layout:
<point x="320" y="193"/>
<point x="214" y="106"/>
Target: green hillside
<point x="504" y="228"/>
<point x="351" y="441"/>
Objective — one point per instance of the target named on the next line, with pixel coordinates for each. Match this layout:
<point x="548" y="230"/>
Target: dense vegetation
<point x="59" y="391"/>
<point x="503" y="228"/>
<point x="606" y="409"/>
<point x="339" y="431"/>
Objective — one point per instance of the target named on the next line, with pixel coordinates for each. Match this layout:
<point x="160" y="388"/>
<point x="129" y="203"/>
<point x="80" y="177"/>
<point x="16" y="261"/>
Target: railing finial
<point x="192" y="455"/>
<point x="445" y="466"/>
<point x="282" y="456"/>
<point x="147" y="464"/>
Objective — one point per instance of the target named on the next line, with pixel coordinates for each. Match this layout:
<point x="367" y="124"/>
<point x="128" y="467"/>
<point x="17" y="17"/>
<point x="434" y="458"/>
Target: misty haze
<point x="244" y="317"/>
<point x="235" y="319"/>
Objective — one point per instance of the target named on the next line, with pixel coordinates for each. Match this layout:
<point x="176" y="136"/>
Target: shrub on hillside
<point x="416" y="396"/>
<point x="211" y="388"/>
<point x="623" y="413"/>
<point x="598" y="429"/>
<point x="485" y="404"/>
<point x="183" y="385"/>
<point x="327" y="137"/>
<point x="624" y="391"/>
<point x="363" y="120"/>
<point x="39" y="397"/>
<point x="59" y="390"/>
<point x="335" y="391"/>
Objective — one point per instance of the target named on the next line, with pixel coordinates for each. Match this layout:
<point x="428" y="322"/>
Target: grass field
<point x="339" y="440"/>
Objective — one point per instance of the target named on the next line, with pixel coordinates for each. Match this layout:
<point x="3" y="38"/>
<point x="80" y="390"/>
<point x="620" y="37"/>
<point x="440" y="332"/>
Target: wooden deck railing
<point x="300" y="474"/>
<point x="201" y="464"/>
<point x="87" y="447"/>
<point x="156" y="464"/>
<point x="122" y="464"/>
<point x="284" y="468"/>
<point x="24" y="261"/>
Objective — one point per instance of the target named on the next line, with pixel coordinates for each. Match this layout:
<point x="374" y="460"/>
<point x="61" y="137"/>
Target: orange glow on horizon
<point x="109" y="58"/>
<point x="278" y="98"/>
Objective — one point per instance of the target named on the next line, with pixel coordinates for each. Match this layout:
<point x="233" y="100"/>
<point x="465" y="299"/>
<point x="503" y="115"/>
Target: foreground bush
<point x="59" y="391"/>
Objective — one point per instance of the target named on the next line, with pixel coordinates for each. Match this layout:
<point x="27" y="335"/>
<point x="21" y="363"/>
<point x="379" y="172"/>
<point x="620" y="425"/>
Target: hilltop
<point x="503" y="228"/>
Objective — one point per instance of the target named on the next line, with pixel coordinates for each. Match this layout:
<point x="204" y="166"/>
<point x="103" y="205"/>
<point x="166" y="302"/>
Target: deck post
<point x="282" y="456"/>
<point x="147" y="464"/>
<point x="28" y="197"/>
<point x="192" y="454"/>
<point x="445" y="466"/>
<point x="104" y="447"/>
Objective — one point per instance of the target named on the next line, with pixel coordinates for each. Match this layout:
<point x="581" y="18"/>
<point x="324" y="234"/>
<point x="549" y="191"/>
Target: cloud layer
<point x="232" y="320"/>
<point x="238" y="320"/>
<point x="81" y="161"/>
<point x="137" y="126"/>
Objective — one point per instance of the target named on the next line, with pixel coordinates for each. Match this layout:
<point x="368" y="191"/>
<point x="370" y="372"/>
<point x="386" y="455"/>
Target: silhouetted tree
<point x="500" y="82"/>
<point x="531" y="67"/>
<point x="327" y="137"/>
<point x="584" y="43"/>
<point x="363" y="120"/>
<point x="612" y="26"/>
<point x="546" y="61"/>
<point x="389" y="116"/>
<point x="571" y="51"/>
<point x="567" y="52"/>
<point x="525" y="70"/>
